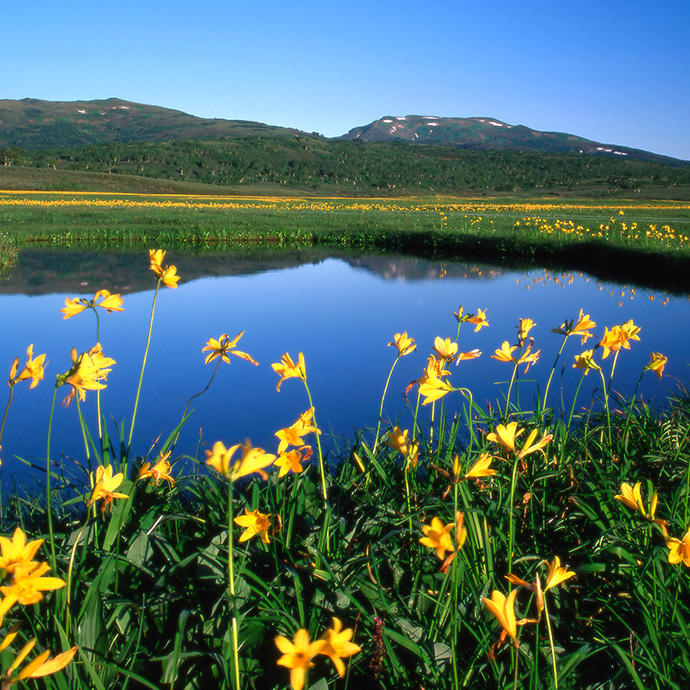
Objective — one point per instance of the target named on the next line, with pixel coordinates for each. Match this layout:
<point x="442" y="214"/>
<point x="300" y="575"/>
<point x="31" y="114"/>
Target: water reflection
<point x="341" y="311"/>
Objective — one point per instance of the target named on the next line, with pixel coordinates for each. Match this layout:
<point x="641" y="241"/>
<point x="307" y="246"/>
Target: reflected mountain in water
<point x="46" y="271"/>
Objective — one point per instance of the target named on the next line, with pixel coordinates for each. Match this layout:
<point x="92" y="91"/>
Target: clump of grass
<point x="489" y="548"/>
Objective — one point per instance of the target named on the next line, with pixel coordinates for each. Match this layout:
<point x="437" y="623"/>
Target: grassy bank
<point x="512" y="546"/>
<point x="612" y="240"/>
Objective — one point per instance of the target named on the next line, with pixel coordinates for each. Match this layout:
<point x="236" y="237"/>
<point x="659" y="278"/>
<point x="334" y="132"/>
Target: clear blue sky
<point x="610" y="70"/>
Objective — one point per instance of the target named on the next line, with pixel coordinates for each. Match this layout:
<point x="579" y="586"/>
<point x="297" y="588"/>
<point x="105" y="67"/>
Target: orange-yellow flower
<point x="165" y="274"/>
<point x="159" y="471"/>
<point x="34" y="369"/>
<point x="479" y="320"/>
<point x="297" y="655"/>
<point x="28" y="583"/>
<point x="76" y="305"/>
<point x="581" y="328"/>
<point x="433" y="389"/>
<point x="445" y="349"/>
<point x="526" y="325"/>
<point x="437" y="537"/>
<point x="252" y="460"/>
<point x="287" y="369"/>
<point x="104" y="485"/>
<point x="657" y="363"/>
<point x="397" y="439"/>
<point x="481" y="468"/>
<point x="292" y="435"/>
<point x="339" y="645"/>
<point x="504" y="609"/>
<point x="631" y="497"/>
<point x="505" y="354"/>
<point x="679" y="550"/>
<point x="557" y="574"/>
<point x="16" y="552"/>
<point x="291" y="461"/>
<point x="404" y="344"/>
<point x="586" y="361"/>
<point x="41" y="666"/>
<point x="505" y="435"/>
<point x="254" y="523"/>
<point x="87" y="372"/>
<point x="222" y="347"/>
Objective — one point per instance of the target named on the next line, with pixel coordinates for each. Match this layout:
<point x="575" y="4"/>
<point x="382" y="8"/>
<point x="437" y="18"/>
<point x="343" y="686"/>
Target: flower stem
<point x="231" y="584"/>
<point x="322" y="469"/>
<point x="553" y="651"/>
<point x="49" y="510"/>
<point x="143" y="365"/>
<point x="383" y="397"/>
<point x="7" y="409"/>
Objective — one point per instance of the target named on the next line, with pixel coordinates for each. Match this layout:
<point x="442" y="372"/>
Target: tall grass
<point x="502" y="547"/>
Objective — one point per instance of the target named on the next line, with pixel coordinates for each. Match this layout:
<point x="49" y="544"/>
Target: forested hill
<point x="354" y="167"/>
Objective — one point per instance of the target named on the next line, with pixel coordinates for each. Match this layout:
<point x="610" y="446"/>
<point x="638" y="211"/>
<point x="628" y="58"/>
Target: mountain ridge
<point x="39" y="124"/>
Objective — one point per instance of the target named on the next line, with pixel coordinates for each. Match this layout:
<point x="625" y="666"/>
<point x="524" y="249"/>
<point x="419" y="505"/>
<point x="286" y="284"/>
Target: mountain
<point x="35" y="124"/>
<point x="489" y="134"/>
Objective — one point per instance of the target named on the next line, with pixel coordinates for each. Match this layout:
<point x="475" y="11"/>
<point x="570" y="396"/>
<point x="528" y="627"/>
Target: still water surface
<point x="340" y="311"/>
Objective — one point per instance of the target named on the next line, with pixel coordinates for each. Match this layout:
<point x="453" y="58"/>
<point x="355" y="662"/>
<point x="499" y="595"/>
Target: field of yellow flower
<point x="511" y="546"/>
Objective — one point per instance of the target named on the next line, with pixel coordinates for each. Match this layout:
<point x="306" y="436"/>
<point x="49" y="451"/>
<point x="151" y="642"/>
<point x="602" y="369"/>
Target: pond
<point x="341" y="311"/>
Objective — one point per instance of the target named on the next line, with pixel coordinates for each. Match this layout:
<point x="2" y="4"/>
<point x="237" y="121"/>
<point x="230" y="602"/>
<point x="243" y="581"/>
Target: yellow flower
<point x="338" y="645"/>
<point x="28" y="583"/>
<point x="472" y="354"/>
<point x="41" y="666"/>
<point x="657" y="363"/>
<point x="528" y="357"/>
<point x="33" y="369"/>
<point x="252" y="460"/>
<point x="479" y="320"/>
<point x="445" y="349"/>
<point x="581" y="328"/>
<point x="404" y="344"/>
<point x="437" y="537"/>
<point x="109" y="302"/>
<point x="165" y="274"/>
<point x="679" y="550"/>
<point x="287" y="369"/>
<point x="585" y="361"/>
<point x="632" y="498"/>
<point x="291" y="461"/>
<point x="161" y="470"/>
<point x="17" y="552"/>
<point x="526" y="325"/>
<point x="297" y="655"/>
<point x="505" y="354"/>
<point x="397" y="439"/>
<point x="292" y="435"/>
<point x="104" y="484"/>
<point x="222" y="347"/>
<point x="255" y="523"/>
<point x="433" y="389"/>
<point x="531" y="447"/>
<point x="481" y="468"/>
<point x="504" y="609"/>
<point x="87" y="372"/>
<point x="505" y="435"/>
<point x="557" y="574"/>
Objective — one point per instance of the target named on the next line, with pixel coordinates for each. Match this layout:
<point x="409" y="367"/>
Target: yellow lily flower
<point x="526" y="325"/>
<point x="338" y="645"/>
<point x="223" y="346"/>
<point x="557" y="574"/>
<point x="505" y="354"/>
<point x="397" y="439"/>
<point x="291" y="461"/>
<point x="657" y="363"/>
<point x="472" y="354"/>
<point x="254" y="523"/>
<point x="76" y="305"/>
<point x="585" y="361"/>
<point x="505" y="435"/>
<point x="159" y="471"/>
<point x="503" y="608"/>
<point x="479" y="321"/>
<point x="404" y="344"/>
<point x="297" y="655"/>
<point x="287" y="369"/>
<point x="632" y="497"/>
<point x="87" y="372"/>
<point x="104" y="484"/>
<point x="292" y="435"/>
<point x="437" y="537"/>
<point x="252" y="460"/>
<point x="34" y="369"/>
<point x="28" y="583"/>
<point x="679" y="550"/>
<point x="433" y="389"/>
<point x="16" y="552"/>
<point x="165" y="274"/>
<point x="481" y="468"/>
<point x="41" y="666"/>
<point x="531" y="447"/>
<point x="581" y="328"/>
<point x="445" y="349"/>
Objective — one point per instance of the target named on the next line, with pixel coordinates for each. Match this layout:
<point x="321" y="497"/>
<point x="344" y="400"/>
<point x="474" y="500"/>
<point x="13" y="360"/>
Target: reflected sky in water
<point x="341" y="312"/>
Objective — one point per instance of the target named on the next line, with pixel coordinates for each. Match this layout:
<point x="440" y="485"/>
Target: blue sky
<point x="613" y="71"/>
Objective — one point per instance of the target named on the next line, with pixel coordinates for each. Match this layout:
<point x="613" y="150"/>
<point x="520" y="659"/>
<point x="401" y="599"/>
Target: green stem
<point x="143" y="364"/>
<point x="553" y="651"/>
<point x="383" y="397"/>
<point x="231" y="583"/>
<point x="322" y="469"/>
<point x="49" y="510"/>
<point x="553" y="368"/>
<point x="7" y="409"/>
<point x="511" y="507"/>
<point x="577" y="391"/>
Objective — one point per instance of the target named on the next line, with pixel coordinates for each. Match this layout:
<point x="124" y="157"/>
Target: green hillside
<point x="319" y="166"/>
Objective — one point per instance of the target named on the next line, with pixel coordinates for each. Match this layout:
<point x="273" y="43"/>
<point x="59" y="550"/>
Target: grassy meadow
<point x="514" y="546"/>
